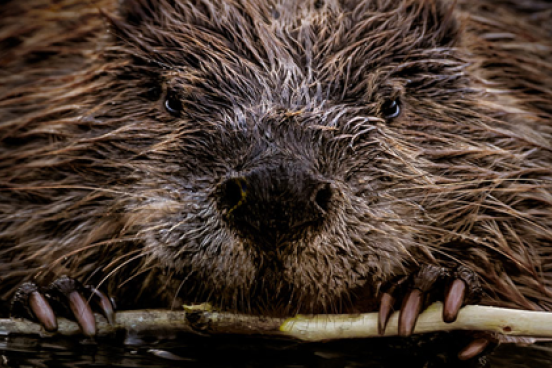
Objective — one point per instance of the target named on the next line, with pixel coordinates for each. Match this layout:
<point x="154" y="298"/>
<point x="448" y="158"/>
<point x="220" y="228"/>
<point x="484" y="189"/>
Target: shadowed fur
<point x="120" y="121"/>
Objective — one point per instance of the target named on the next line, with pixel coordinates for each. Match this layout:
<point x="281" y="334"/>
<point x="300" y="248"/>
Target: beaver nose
<point x="275" y="203"/>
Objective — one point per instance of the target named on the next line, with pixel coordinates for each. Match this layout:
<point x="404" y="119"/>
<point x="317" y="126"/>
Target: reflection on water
<point x="251" y="352"/>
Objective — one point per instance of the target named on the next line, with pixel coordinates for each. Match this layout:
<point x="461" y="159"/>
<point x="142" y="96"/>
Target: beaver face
<point x="283" y="142"/>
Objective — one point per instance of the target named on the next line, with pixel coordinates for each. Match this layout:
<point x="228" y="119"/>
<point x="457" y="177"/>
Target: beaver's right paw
<point x="65" y="297"/>
<point x="461" y="286"/>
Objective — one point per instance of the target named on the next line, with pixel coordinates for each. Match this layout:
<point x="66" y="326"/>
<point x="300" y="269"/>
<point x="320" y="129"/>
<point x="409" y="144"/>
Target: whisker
<point x="120" y="266"/>
<point x="109" y="265"/>
<point x="90" y="246"/>
<point x="73" y="187"/>
<point x="136" y="275"/>
<point x="178" y="290"/>
<point x="473" y="239"/>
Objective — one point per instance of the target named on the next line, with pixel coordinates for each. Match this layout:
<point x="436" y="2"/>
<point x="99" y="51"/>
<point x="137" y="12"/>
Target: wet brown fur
<point x="98" y="181"/>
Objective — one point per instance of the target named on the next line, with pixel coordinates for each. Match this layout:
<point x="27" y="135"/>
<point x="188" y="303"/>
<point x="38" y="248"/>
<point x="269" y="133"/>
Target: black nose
<point x="275" y="204"/>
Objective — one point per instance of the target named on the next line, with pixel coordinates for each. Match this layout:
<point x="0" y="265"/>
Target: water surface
<point x="252" y="352"/>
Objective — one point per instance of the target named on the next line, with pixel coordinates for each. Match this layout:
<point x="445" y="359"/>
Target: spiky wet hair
<point x="119" y="123"/>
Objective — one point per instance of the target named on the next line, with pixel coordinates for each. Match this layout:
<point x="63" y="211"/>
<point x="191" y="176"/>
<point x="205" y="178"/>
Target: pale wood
<point x="508" y="322"/>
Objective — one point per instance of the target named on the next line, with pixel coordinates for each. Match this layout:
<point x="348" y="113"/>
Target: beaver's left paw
<point x="461" y="287"/>
<point x="65" y="297"/>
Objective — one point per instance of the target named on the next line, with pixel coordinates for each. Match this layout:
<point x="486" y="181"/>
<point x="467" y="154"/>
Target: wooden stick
<point x="508" y="322"/>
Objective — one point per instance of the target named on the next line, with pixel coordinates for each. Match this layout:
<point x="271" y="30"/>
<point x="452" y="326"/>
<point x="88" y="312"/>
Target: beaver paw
<point x="68" y="298"/>
<point x="462" y="287"/>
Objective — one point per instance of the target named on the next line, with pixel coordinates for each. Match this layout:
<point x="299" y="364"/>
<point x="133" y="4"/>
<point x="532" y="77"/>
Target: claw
<point x="65" y="296"/>
<point x="387" y="301"/>
<point x="473" y="349"/>
<point x="104" y="304"/>
<point x="43" y="311"/>
<point x="454" y="300"/>
<point x="423" y="282"/>
<point x="410" y="311"/>
<point x="83" y="313"/>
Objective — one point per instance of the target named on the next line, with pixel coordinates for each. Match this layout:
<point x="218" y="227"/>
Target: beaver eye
<point x="391" y="109"/>
<point x="173" y="103"/>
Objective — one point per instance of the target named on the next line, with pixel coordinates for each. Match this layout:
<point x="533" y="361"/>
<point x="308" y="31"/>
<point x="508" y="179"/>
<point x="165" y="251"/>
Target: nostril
<point x="323" y="196"/>
<point x="233" y="193"/>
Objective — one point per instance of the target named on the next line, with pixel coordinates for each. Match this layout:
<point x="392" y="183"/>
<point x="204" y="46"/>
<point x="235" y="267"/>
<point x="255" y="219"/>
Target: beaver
<point x="275" y="157"/>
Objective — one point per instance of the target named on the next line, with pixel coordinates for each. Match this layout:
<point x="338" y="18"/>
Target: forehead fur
<point x="288" y="50"/>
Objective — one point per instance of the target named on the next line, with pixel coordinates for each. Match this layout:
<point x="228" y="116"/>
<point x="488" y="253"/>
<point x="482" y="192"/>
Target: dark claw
<point x="67" y="294"/>
<point x="410" y="311"/>
<point x="426" y="286"/>
<point x="474" y="290"/>
<point x="387" y="302"/>
<point x="43" y="311"/>
<point x="83" y="313"/>
<point x="454" y="300"/>
<point x="64" y="297"/>
<point x="29" y="302"/>
<point x="386" y="305"/>
<point x="103" y="303"/>
<point x="473" y="349"/>
<point x="465" y="289"/>
<point x="413" y="303"/>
